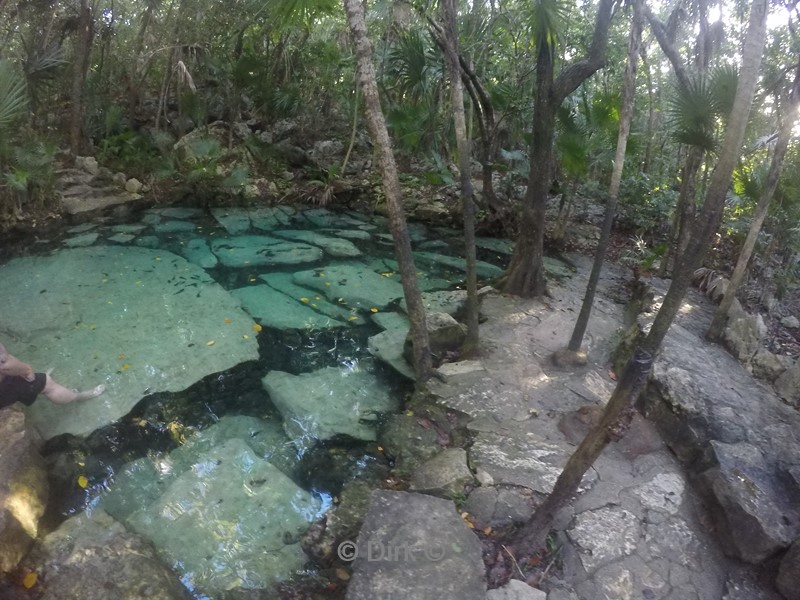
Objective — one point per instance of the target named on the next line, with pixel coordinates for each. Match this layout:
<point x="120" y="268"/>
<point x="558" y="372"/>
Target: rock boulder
<point x="23" y="487"/>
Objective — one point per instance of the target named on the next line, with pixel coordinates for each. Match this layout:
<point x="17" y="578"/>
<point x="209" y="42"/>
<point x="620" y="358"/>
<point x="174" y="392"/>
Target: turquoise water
<point x="222" y="476"/>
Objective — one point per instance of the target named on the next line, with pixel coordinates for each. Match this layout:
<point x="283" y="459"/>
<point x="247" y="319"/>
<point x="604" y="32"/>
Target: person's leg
<point x="58" y="394"/>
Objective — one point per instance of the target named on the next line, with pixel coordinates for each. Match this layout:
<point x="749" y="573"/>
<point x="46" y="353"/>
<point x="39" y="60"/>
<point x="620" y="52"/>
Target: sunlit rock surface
<point x="231" y="520"/>
<point x="322" y="217"/>
<point x="138" y="320"/>
<point x="93" y="557"/>
<point x="329" y="402"/>
<point x="235" y="220"/>
<point x="23" y="487"/>
<point x="258" y="250"/>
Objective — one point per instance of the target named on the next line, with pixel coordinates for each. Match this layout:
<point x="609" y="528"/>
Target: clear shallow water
<point x="164" y="429"/>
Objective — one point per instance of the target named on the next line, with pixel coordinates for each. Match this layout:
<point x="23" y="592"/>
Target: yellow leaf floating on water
<point x="30" y="580"/>
<point x="125" y="367"/>
<point x="328" y="284"/>
<point x="257" y="327"/>
<point x="303" y="299"/>
<point x="83" y="481"/>
<point x="227" y="321"/>
<point x="373" y="309"/>
<point x="210" y="343"/>
<point x="252" y="279"/>
<point x="353" y="318"/>
<point x="317" y="298"/>
<point x="245" y="336"/>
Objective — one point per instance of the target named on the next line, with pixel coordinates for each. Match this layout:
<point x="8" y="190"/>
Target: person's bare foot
<point x="93" y="393"/>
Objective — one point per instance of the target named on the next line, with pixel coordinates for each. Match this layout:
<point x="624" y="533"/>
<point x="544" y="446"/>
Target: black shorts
<point x="18" y="389"/>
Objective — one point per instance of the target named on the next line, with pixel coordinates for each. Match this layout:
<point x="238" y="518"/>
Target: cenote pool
<point x="250" y="357"/>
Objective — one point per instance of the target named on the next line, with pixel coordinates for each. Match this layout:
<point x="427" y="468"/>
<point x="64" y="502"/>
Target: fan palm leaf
<point x="13" y="96"/>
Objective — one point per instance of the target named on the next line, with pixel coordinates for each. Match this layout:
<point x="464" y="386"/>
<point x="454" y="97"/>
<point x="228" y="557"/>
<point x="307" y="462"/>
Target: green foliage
<point x="13" y="98"/>
<point x="134" y="154"/>
<point x="547" y="22"/>
<point x="695" y="112"/>
<point x="645" y="204"/>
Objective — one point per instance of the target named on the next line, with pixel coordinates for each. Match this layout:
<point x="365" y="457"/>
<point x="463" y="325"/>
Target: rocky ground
<point x="640" y="527"/>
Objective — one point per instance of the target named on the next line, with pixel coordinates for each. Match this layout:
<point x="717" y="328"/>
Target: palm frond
<point x="547" y="21"/>
<point x="691" y="115"/>
<point x="722" y="83"/>
<point x="13" y="96"/>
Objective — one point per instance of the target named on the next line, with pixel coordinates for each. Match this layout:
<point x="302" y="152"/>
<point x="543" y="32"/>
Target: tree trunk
<point x="380" y="136"/>
<point x="464" y="167"/>
<point x="686" y="206"/>
<point x="616" y="414"/>
<point x="83" y="50"/>
<point x="626" y="114"/>
<point x="525" y="275"/>
<point x="776" y="166"/>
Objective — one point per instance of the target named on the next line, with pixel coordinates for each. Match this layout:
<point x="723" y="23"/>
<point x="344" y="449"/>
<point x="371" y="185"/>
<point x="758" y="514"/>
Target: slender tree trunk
<point x="686" y="206"/>
<point x="464" y="167"/>
<point x="391" y="187"/>
<point x="626" y="115"/>
<point x="616" y="415"/>
<point x="525" y="275"/>
<point x="83" y="51"/>
<point x="776" y="166"/>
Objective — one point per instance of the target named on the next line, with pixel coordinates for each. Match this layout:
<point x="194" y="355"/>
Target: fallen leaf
<point x="245" y="336"/>
<point x="487" y="530"/>
<point x="303" y="299"/>
<point x="227" y="321"/>
<point x="342" y="574"/>
<point x="30" y="580"/>
<point x="612" y="376"/>
<point x="210" y="343"/>
<point x="83" y="481"/>
<point x="257" y="327"/>
<point x="373" y="309"/>
<point x="424" y="423"/>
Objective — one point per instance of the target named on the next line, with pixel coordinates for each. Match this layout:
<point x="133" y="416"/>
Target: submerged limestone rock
<point x="141" y="482"/>
<point x="275" y="309"/>
<point x="139" y="321"/>
<point x="353" y="285"/>
<point x="235" y="220"/>
<point x="333" y="246"/>
<point x="283" y="283"/>
<point x="329" y="402"/>
<point x="414" y="546"/>
<point x="23" y="487"/>
<point x="198" y="252"/>
<point x="484" y="270"/>
<point x="231" y="520"/>
<point x="257" y="250"/>
<point x="93" y="557"/>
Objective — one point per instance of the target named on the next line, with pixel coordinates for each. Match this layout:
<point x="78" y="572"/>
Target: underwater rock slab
<point x="231" y="520"/>
<point x="388" y="267"/>
<point x="329" y="402"/>
<point x="356" y="285"/>
<point x="268" y="218"/>
<point x="350" y="234"/>
<point x="179" y="212"/>
<point x="499" y="245"/>
<point x="484" y="270"/>
<point x="275" y="309"/>
<point x="260" y="250"/>
<point x="84" y="239"/>
<point x="141" y="482"/>
<point x="283" y="283"/>
<point x="174" y="226"/>
<point x="235" y="220"/>
<point x="141" y="321"/>
<point x="322" y="217"/>
<point x="121" y="238"/>
<point x="334" y="246"/>
<point x="388" y="346"/>
<point x="198" y="252"/>
<point x="127" y="228"/>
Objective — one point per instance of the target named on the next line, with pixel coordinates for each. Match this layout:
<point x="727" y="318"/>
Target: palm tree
<point x="525" y="275"/>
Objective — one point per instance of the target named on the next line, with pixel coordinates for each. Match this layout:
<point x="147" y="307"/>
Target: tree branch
<point x="572" y="76"/>
<point x="667" y="47"/>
